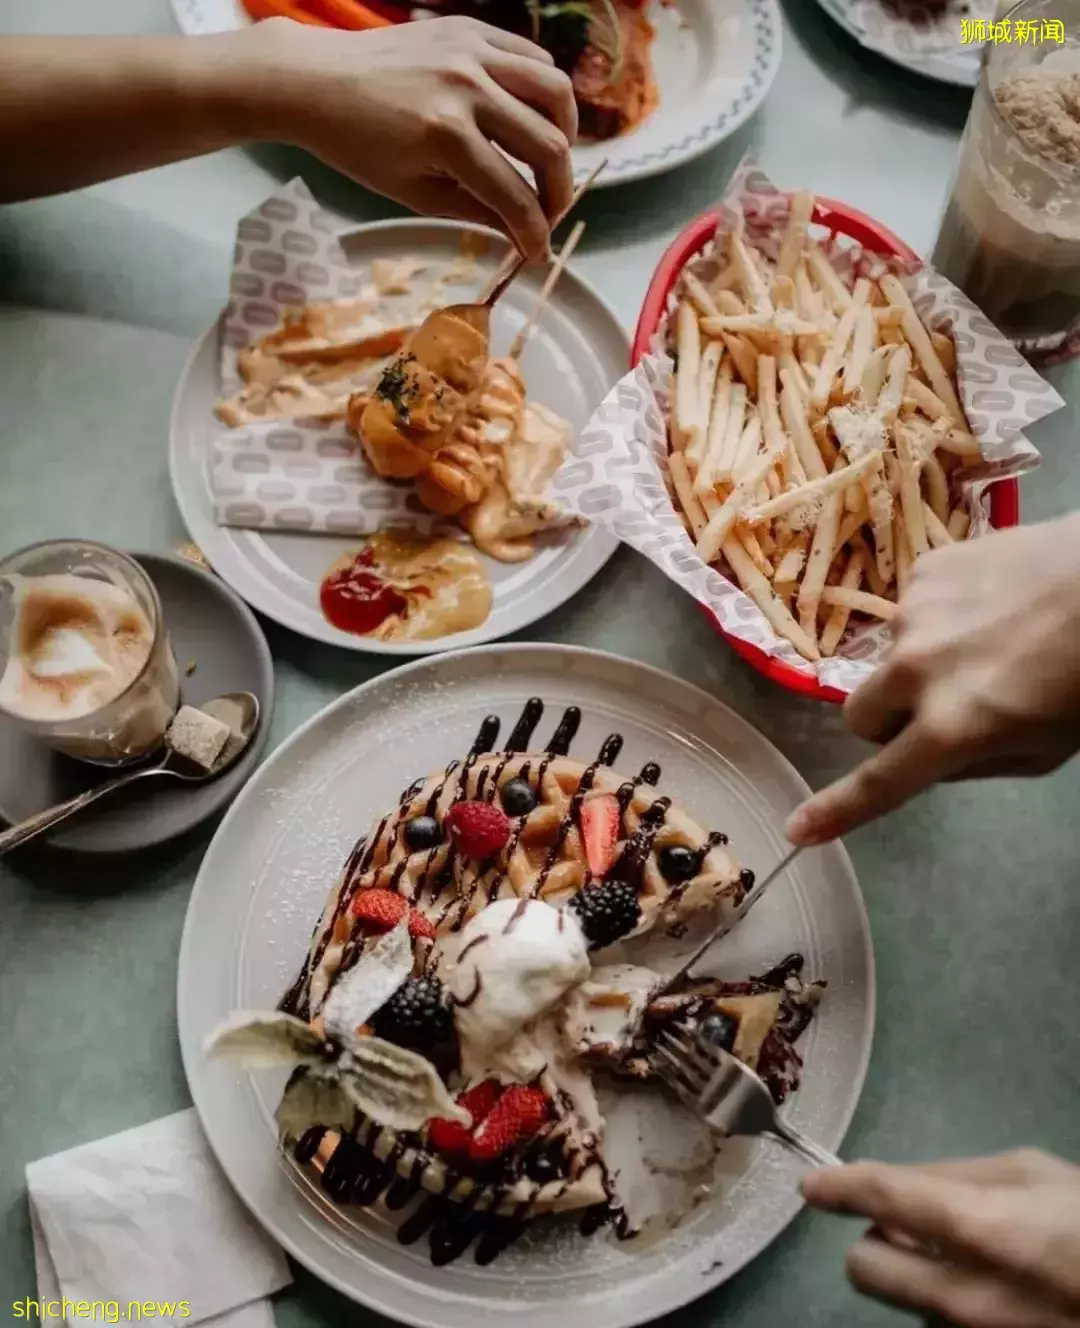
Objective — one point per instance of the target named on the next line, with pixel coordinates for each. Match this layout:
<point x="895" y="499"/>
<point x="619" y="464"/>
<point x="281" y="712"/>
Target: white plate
<point x="262" y="886"/>
<point x="961" y="73"/>
<point x="577" y="351"/>
<point x="715" y="60"/>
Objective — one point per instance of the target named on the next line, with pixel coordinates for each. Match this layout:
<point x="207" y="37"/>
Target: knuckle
<point x="462" y="71"/>
<point x="445" y="126"/>
<point x="552" y="147"/>
<point x="950" y="728"/>
<point x="912" y="659"/>
<point x="1030" y="1161"/>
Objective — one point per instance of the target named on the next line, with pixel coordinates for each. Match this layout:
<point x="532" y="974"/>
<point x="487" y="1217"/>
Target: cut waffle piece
<point x="759" y="1021"/>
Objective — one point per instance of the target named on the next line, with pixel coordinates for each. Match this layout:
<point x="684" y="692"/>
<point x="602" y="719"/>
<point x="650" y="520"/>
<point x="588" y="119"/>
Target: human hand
<point x="991" y="1242"/>
<point x="983" y="677"/>
<point x="418" y="111"/>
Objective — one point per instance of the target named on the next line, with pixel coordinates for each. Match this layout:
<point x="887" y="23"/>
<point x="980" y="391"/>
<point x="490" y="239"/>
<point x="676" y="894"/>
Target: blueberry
<point x="677" y="862"/>
<point x="518" y="799"/>
<point x="720" y="1029"/>
<point x="422" y="832"/>
<point x="542" y="1167"/>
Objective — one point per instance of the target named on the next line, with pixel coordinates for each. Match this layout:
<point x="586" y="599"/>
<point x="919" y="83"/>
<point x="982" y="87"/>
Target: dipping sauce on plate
<point x="402" y="586"/>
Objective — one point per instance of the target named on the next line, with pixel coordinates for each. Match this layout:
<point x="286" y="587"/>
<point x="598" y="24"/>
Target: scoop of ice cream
<point x="516" y="959"/>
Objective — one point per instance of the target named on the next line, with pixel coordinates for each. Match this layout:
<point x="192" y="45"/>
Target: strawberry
<point x="600" y="829"/>
<point x="380" y="910"/>
<point x="421" y="926"/>
<point x="479" y="1100"/>
<point x="452" y="1139"/>
<point x="479" y="829"/>
<point x="449" y="1137"/>
<point x="516" y="1116"/>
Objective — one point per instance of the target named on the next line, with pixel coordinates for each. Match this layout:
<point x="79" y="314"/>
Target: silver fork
<point x="731" y="1098"/>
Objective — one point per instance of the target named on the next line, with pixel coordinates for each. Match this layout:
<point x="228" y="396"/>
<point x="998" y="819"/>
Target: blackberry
<point x="606" y="911"/>
<point x="416" y="1016"/>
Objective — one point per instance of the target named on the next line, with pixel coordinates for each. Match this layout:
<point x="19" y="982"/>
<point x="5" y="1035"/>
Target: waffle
<point x="544" y="865"/>
<point x="543" y="859"/>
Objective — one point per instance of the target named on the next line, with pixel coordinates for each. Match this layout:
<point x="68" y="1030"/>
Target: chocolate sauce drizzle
<point x="522" y="732"/>
<point x="565" y="734"/>
<point x="354" y="1173"/>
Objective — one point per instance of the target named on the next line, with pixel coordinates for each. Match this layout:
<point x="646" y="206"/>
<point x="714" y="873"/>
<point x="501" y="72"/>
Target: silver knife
<point x="732" y="919"/>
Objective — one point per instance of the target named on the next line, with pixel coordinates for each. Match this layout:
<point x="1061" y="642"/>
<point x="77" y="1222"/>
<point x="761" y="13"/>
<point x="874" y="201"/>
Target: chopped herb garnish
<point x="397" y="386"/>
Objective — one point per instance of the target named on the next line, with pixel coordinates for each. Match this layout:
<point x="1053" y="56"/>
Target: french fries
<point x="818" y="443"/>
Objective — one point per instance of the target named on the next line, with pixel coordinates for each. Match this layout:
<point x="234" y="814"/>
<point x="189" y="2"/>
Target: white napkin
<point x="147" y="1215"/>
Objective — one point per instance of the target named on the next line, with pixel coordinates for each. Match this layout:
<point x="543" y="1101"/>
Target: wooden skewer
<point x="557" y="268"/>
<point x="508" y="271"/>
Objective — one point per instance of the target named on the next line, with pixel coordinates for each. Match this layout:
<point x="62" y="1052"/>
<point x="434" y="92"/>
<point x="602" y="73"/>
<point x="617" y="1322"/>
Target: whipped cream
<point x="517" y="959"/>
<point x="77" y="643"/>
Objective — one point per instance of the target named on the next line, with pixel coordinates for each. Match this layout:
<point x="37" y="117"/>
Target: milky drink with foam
<point x="86" y="664"/>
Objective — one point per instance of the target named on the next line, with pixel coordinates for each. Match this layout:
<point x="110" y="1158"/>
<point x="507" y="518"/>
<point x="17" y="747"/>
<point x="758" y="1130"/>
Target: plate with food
<point x="458" y="988"/>
<point x="815" y="410"/>
<point x="367" y="456"/>
<point x="657" y="84"/>
<point x="927" y="37"/>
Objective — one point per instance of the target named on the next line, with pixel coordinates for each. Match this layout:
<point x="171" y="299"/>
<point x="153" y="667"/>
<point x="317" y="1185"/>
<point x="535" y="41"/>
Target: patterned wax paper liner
<point x="620" y="479"/>
<point x="914" y="34"/>
<point x="302" y="474"/>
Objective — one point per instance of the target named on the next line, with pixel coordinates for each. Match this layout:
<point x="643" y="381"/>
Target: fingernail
<point x="800" y="827"/>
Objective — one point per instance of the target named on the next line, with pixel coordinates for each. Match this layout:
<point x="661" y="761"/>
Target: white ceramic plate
<point x="715" y="60"/>
<point x="578" y="350"/>
<point x="261" y="889"/>
<point x="962" y="72"/>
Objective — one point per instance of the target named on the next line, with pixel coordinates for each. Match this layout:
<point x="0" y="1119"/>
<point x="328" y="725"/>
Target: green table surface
<point x="969" y="890"/>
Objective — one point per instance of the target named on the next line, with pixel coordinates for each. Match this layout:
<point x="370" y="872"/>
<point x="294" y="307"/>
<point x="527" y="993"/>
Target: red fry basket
<point x="837" y="219"/>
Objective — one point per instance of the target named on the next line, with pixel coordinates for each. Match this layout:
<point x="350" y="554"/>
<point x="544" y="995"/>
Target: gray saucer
<point x="209" y="626"/>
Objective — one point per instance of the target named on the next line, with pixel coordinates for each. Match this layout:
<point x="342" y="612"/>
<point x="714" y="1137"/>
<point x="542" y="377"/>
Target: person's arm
<point x="991" y="1242"/>
<point x="75" y="110"/>
<point x="983" y="677"/>
<point x="415" y="112"/>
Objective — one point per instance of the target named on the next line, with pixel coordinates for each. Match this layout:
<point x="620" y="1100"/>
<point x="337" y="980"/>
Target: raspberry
<point x="517" y="1116"/>
<point x="479" y="829"/>
<point x="450" y="1138"/>
<point x="381" y="910"/>
<point x="600" y="818"/>
<point x="421" y="926"/>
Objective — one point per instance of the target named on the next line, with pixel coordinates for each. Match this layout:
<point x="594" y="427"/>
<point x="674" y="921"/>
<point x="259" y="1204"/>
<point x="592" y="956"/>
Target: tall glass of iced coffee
<point x="1011" y="234"/>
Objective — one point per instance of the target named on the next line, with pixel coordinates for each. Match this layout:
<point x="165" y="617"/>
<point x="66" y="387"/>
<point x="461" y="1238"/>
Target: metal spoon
<point x="240" y="710"/>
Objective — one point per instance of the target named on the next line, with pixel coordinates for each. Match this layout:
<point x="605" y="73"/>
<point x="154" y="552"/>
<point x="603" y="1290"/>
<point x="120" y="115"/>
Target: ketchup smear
<point x="356" y="600"/>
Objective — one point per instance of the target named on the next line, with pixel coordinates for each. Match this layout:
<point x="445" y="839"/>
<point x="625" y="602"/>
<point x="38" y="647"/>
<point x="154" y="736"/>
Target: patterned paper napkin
<point x="619" y="479"/>
<point x="306" y="475"/>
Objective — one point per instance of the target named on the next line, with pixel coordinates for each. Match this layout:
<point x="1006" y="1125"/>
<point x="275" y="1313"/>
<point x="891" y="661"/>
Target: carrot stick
<point x="349" y="14"/>
<point x="260" y="9"/>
